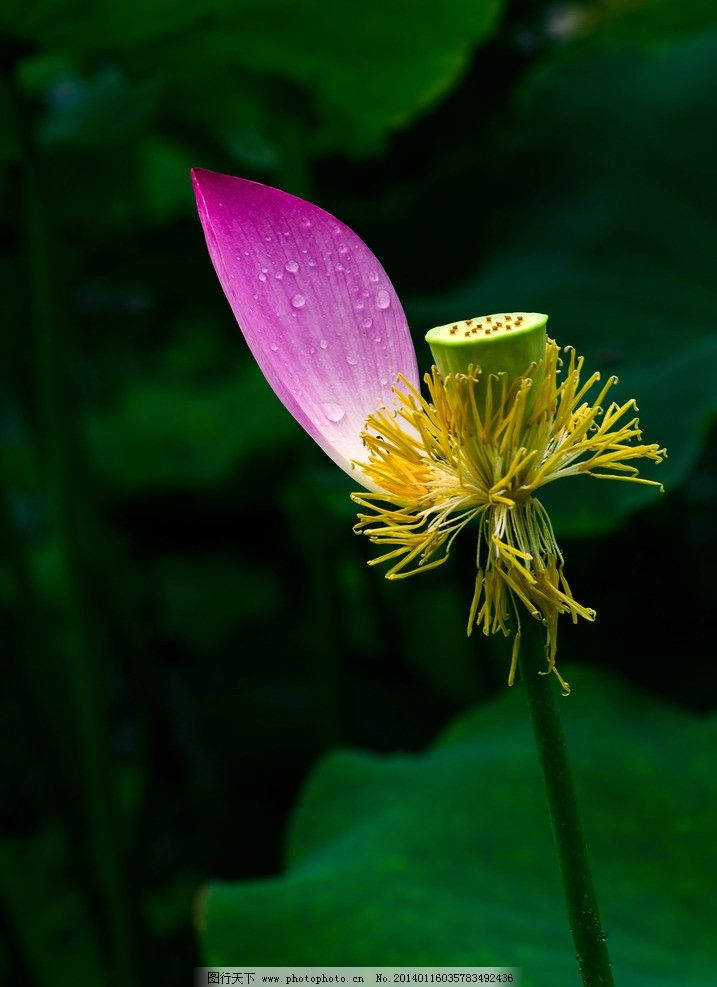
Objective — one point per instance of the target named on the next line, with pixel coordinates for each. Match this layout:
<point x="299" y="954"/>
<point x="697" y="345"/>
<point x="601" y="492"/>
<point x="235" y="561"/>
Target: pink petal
<point x="316" y="308"/>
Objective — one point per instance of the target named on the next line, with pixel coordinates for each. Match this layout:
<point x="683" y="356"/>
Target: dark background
<point x="187" y="619"/>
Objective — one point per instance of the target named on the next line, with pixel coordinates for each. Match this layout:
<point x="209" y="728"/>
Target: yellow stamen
<point x="450" y="459"/>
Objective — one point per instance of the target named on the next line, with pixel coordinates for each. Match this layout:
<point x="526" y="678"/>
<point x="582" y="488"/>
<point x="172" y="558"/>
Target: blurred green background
<point x="188" y="624"/>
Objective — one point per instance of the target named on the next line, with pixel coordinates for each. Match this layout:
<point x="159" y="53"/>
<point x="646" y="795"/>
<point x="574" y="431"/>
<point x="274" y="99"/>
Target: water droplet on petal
<point x="383" y="299"/>
<point x="359" y="305"/>
<point x="273" y="347"/>
<point x="339" y="267"/>
<point x="265" y="270"/>
<point x="351" y="360"/>
<point x="292" y="267"/>
<point x="262" y="277"/>
<point x="384" y="381"/>
<point x="323" y="344"/>
<point x="306" y="223"/>
<point x="377" y="339"/>
<point x="279" y="275"/>
<point x="367" y="323"/>
<point x="298" y="301"/>
<point x="343" y="250"/>
<point x="312" y="263"/>
<point x="334" y="412"/>
<point x="373" y="277"/>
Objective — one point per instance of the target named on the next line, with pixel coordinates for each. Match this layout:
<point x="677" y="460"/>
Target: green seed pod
<point x="507" y="343"/>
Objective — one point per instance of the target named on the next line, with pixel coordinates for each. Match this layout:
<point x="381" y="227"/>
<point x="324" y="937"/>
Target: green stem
<point x="65" y="491"/>
<point x="581" y="902"/>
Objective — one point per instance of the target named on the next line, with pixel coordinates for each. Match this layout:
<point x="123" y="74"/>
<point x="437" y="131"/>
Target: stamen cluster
<point x="476" y="450"/>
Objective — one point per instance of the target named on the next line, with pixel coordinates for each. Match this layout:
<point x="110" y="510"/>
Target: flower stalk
<point x="62" y="466"/>
<point x="580" y="899"/>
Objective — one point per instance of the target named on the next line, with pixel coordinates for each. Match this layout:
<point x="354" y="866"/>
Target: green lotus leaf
<point x="446" y="858"/>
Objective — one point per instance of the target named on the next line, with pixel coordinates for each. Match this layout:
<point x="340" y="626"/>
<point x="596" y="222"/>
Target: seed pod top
<point x="506" y="343"/>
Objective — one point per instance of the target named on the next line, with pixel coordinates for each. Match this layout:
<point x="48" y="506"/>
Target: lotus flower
<point x="327" y="329"/>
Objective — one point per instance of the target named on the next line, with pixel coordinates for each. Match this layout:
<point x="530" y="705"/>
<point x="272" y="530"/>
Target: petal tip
<point x="198" y="175"/>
